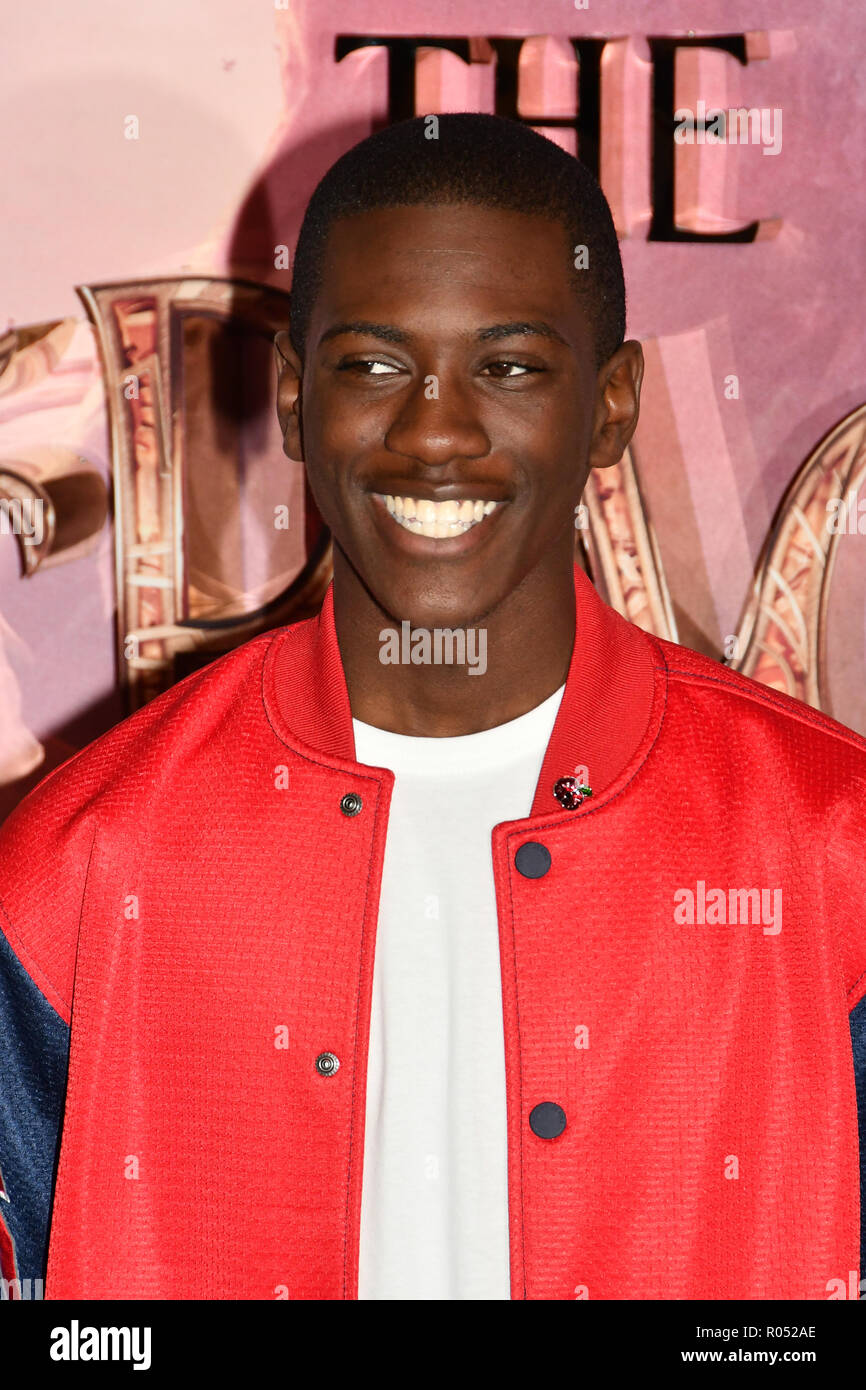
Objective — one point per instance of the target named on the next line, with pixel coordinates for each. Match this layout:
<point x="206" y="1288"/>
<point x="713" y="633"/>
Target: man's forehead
<point x="454" y="231"/>
<point x="424" y="259"/>
<point x="489" y="333"/>
<point x="459" y="271"/>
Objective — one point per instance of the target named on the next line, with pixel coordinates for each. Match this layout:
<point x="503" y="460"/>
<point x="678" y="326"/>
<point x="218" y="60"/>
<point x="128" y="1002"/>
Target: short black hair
<point x="489" y="161"/>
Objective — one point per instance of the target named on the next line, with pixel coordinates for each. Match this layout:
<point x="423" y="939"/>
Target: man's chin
<point x="420" y="612"/>
<point x="433" y="595"/>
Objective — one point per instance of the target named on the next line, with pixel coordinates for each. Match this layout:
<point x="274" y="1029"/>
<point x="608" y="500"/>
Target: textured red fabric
<point x="182" y="906"/>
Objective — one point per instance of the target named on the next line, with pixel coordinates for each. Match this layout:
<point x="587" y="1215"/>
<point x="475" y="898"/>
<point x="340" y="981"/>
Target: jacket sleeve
<point x="844" y="891"/>
<point x="857" y="1021"/>
<point x="34" y="1050"/>
<point x="44" y="847"/>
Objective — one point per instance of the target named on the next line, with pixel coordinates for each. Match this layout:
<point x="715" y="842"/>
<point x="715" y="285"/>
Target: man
<point x="465" y="941"/>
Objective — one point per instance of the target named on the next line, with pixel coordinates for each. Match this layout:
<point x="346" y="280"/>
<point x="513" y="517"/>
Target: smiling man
<point x="367" y="969"/>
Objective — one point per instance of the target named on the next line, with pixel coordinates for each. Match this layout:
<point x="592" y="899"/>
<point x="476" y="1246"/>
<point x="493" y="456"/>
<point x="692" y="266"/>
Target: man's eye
<point x="359" y="364"/>
<point x="521" y="367"/>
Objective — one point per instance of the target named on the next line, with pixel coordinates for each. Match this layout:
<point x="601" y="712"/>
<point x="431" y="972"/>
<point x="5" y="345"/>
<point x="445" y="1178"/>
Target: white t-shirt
<point x="434" y="1207"/>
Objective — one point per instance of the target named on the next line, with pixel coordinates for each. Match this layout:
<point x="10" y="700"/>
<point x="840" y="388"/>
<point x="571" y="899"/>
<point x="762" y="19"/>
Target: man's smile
<point x="452" y="520"/>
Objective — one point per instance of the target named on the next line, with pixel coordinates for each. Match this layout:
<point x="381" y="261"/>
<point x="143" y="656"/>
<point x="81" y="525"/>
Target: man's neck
<point x="527" y="643"/>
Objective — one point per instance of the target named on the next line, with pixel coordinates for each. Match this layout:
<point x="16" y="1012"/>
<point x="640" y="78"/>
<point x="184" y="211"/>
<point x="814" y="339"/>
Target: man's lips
<point x="454" y="524"/>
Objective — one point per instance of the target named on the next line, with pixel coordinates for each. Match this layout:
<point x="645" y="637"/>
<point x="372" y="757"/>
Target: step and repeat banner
<point x="155" y="169"/>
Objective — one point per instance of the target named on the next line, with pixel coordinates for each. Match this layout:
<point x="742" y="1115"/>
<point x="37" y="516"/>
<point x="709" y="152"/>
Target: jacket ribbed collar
<point x="607" y="717"/>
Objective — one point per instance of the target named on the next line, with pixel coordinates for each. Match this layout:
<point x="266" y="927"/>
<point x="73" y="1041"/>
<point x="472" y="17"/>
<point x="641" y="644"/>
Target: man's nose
<point x="437" y="420"/>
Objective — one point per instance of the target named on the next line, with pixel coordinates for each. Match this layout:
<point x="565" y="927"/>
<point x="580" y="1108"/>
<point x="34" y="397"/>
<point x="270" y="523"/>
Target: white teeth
<point x="438" y="520"/>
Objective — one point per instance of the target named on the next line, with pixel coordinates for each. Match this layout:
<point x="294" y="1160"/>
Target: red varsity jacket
<point x="195" y="885"/>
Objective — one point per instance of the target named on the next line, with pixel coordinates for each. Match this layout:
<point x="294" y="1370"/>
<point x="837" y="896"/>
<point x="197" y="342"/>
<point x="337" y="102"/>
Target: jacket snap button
<point x="351" y="804"/>
<point x="327" y="1064"/>
<point x="547" y="1120"/>
<point x="532" y="860"/>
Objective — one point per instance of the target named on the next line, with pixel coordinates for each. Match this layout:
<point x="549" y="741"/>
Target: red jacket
<point x="190" y="893"/>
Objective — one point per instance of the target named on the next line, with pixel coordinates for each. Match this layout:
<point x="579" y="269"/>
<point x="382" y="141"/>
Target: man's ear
<point x="617" y="404"/>
<point x="289" y="373"/>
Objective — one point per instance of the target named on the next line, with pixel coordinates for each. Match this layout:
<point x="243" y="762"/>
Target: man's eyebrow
<point x="522" y="328"/>
<point x="388" y="333"/>
<point x="385" y="331"/>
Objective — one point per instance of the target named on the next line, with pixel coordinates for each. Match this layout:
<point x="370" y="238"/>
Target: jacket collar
<point x="606" y="719"/>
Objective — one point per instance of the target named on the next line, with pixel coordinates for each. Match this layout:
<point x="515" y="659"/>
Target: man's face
<point x="449" y="360"/>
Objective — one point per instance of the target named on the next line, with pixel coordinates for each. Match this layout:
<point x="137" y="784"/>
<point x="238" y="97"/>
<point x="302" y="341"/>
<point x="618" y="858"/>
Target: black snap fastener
<point x="532" y="860"/>
<point x="547" y="1120"/>
<point x="327" y="1064"/>
<point x="351" y="804"/>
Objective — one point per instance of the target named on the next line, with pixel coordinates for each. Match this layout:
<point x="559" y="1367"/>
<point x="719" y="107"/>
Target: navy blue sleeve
<point x="857" y="1020"/>
<point x="34" y="1056"/>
